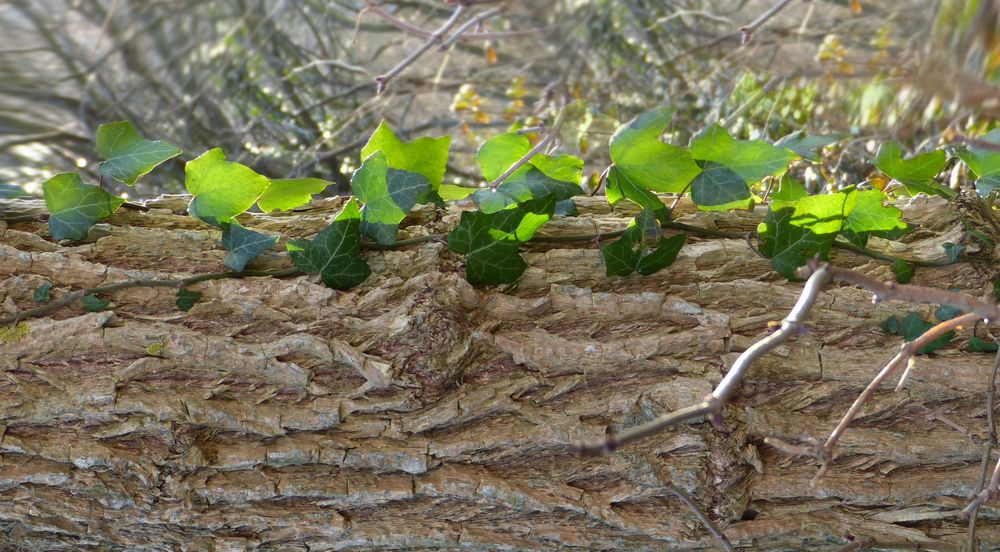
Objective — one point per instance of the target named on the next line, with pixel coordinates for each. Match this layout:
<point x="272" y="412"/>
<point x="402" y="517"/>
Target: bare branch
<point x="411" y="29"/>
<point x="748" y="30"/>
<point x="991" y="441"/>
<point x="434" y="38"/>
<point x="472" y="22"/>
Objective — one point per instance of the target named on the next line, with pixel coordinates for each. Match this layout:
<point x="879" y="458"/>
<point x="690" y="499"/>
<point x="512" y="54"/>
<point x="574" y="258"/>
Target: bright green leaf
<point x="451" y="192"/>
<point x="787" y="245"/>
<point x="788" y="190"/>
<point x="74" y="206"/>
<point x="984" y="164"/>
<point x="43" y="293"/>
<point x="93" y="303"/>
<point x="243" y="245"/>
<point x="335" y="252"/>
<point x="913" y="326"/>
<point x="824" y="213"/>
<point x="221" y="189"/>
<point x="388" y="194"/>
<point x="646" y="162"/>
<point x="916" y="173"/>
<point x="872" y="215"/>
<point x="753" y="160"/>
<point x="426" y="156"/>
<point x="186" y="298"/>
<point x="127" y="156"/>
<point x="719" y="188"/>
<point x="285" y="194"/>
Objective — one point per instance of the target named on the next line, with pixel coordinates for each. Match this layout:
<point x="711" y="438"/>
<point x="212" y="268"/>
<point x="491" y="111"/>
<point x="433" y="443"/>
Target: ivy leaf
<point x="824" y="213"/>
<point x="74" y="206"/>
<point x="221" y="189"/>
<point x="425" y="156"/>
<point x="977" y="345"/>
<point x="789" y="190"/>
<point x="916" y="173"/>
<point x="451" y="192"/>
<point x="10" y="191"/>
<point x="542" y="175"/>
<point x="953" y="250"/>
<point x="335" y="252"/>
<point x="186" y="298"/>
<point x="43" y="293"/>
<point x="491" y="240"/>
<point x="641" y="248"/>
<point x="787" y="245"/>
<point x="285" y="194"/>
<point x="646" y="163"/>
<point x="566" y="208"/>
<point x="945" y="312"/>
<point x="243" y="245"/>
<point x="621" y="186"/>
<point x="753" y="160"/>
<point x="913" y="326"/>
<point x="719" y="188"/>
<point x="388" y="194"/>
<point x="872" y="215"/>
<point x="524" y="184"/>
<point x="127" y="156"/>
<point x="807" y="145"/>
<point x="93" y="303"/>
<point x="902" y="270"/>
<point x="984" y="164"/>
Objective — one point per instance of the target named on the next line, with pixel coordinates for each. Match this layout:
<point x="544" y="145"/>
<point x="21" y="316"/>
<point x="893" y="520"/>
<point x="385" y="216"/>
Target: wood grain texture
<point x="418" y="412"/>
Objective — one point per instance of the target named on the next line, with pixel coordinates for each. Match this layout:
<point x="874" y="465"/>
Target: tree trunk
<point x="420" y="412"/>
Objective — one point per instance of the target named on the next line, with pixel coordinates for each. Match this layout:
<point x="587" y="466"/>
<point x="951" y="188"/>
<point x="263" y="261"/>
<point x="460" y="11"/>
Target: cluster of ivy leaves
<point x="717" y="171"/>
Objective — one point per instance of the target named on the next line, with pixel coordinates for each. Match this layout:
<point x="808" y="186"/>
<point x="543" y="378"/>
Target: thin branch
<point x="723" y="541"/>
<point x="906" y="352"/>
<point x="716" y="401"/>
<point x="991" y="441"/>
<point x="472" y="22"/>
<point x="748" y="30"/>
<point x="467" y="37"/>
<point x="556" y="125"/>
<point x="434" y="38"/>
<point x="986" y="494"/>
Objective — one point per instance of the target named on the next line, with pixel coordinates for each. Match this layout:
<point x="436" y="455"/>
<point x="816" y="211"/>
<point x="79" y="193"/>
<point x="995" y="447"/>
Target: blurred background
<point x="288" y="86"/>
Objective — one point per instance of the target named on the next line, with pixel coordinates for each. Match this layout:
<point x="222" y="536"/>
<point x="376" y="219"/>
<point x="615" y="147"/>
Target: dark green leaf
<point x="719" y="188"/>
<point x="566" y="208"/>
<point x="285" y="194"/>
<point x="43" y="293"/>
<point x="75" y="206"/>
<point x="425" y="156"/>
<point x="127" y="156"/>
<point x="807" y="145"/>
<point x="891" y="325"/>
<point x="902" y="270"/>
<point x="243" y="245"/>
<point x="186" y="298"/>
<point x="787" y="245"/>
<point x="10" y="191"/>
<point x="977" y="345"/>
<point x="93" y="303"/>
<point x="984" y="164"/>
<point x="621" y="186"/>
<point x="388" y="195"/>
<point x="646" y="162"/>
<point x="953" y="250"/>
<point x="916" y="173"/>
<point x="525" y="184"/>
<point x="945" y="312"/>
<point x="221" y="189"/>
<point x="492" y="240"/>
<point x="913" y="326"/>
<point x="335" y="253"/>
<point x="752" y="160"/>
<point x="641" y="248"/>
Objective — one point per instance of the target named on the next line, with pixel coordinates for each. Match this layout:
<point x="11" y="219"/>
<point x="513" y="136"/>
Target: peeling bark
<point x="419" y="412"/>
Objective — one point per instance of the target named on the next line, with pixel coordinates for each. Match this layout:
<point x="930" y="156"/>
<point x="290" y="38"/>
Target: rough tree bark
<point x="419" y="412"/>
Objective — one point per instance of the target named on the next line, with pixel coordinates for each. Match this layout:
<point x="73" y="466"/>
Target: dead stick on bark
<point x="716" y="401"/>
<point x="991" y="441"/>
<point x="723" y="541"/>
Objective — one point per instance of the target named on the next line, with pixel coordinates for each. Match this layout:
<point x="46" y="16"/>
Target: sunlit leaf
<point x="426" y="156"/>
<point x="752" y="160"/>
<point x="916" y="173"/>
<point x="807" y="145"/>
<point x="787" y="245"/>
<point x="221" y="189"/>
<point x="127" y="156"/>
<point x="645" y="162"/>
<point x="74" y="206"/>
<point x="285" y="194"/>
